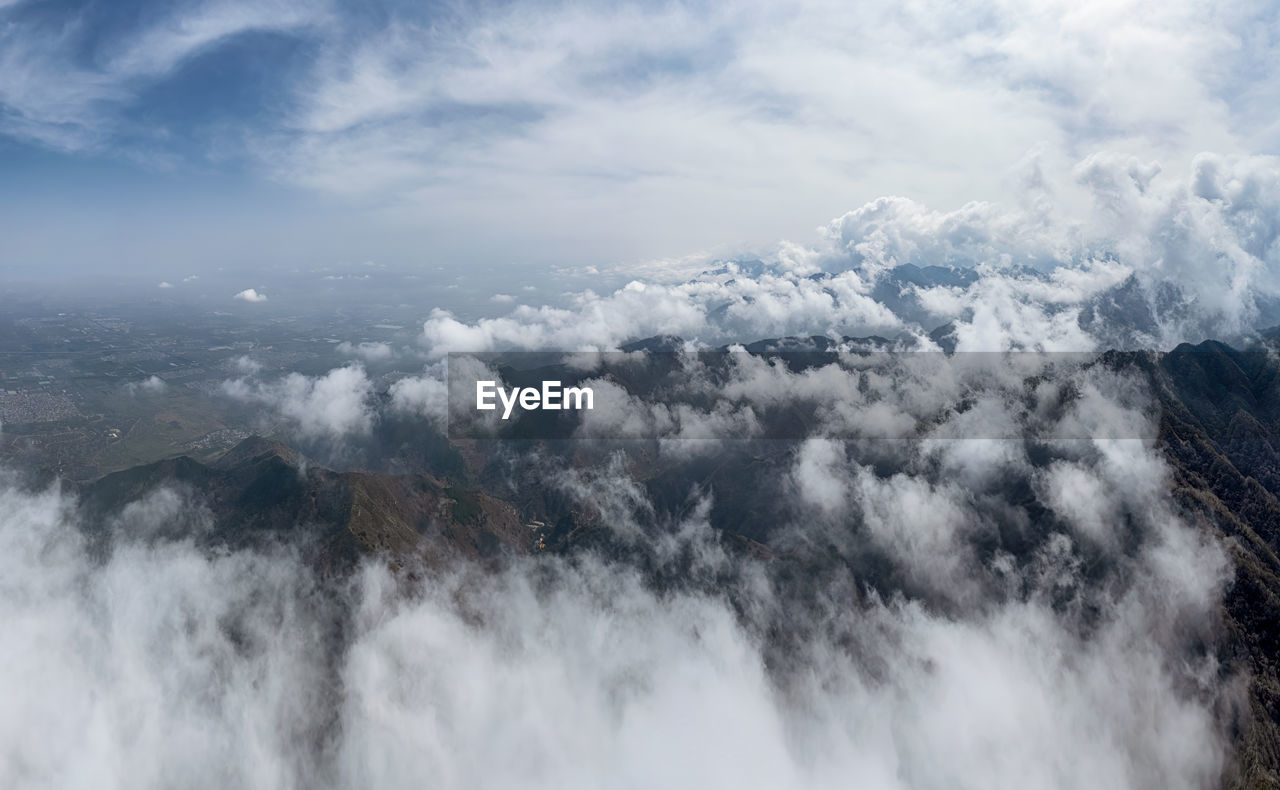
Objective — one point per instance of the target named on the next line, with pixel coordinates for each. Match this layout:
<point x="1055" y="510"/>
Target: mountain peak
<point x="257" y="448"/>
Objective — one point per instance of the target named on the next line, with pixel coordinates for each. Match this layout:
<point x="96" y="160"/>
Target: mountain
<point x="1219" y="432"/>
<point x="261" y="490"/>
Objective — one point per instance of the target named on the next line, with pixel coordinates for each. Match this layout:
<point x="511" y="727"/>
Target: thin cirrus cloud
<point x="587" y="128"/>
<point x="67" y="85"/>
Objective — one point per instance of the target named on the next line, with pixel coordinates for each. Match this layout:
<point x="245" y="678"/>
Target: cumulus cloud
<point x="152" y="385"/>
<point x="332" y="406"/>
<point x="618" y="414"/>
<point x="819" y="475"/>
<point x="425" y="396"/>
<point x="597" y="323"/>
<point x="712" y="307"/>
<point x="369" y="352"/>
<point x="96" y="643"/>
<point x="847" y="392"/>
<point x="246" y="365"/>
<point x="588" y="681"/>
<point x="165" y="284"/>
<point x="166" y="513"/>
<point x="251" y="295"/>
<point x="913" y="620"/>
<point x="1154" y="260"/>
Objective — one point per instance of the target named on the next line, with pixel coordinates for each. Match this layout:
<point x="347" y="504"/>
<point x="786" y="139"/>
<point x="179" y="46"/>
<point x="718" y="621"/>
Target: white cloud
<point x="597" y="323"/>
<point x="251" y="295"/>
<point x="332" y="406"/>
<point x="694" y="116"/>
<point x="425" y="396"/>
<point x="1151" y="260"/>
<point x="152" y="385"/>
<point x="818" y="475"/>
<point x="163" y="660"/>
<point x="779" y="303"/>
<point x="966" y="634"/>
<point x="159" y="48"/>
<point x="368" y="351"/>
<point x="601" y="125"/>
<point x="165" y="284"/>
<point x="246" y="365"/>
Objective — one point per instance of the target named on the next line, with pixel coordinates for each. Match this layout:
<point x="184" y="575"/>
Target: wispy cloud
<point x="588" y="127"/>
<point x="930" y="100"/>
<point x="65" y="83"/>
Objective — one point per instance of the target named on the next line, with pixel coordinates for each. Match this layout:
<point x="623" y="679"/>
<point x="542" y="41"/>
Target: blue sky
<point x="148" y="136"/>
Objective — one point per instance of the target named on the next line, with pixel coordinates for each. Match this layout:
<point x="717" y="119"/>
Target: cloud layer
<point x="165" y="663"/>
<point x="1153" y="260"/>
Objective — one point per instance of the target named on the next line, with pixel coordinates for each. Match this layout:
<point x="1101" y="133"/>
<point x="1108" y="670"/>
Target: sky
<point x="168" y="138"/>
